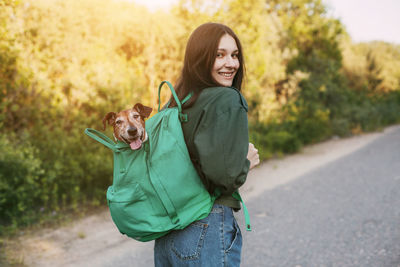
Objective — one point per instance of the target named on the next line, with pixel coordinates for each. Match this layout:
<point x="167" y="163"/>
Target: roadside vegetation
<point x="64" y="64"/>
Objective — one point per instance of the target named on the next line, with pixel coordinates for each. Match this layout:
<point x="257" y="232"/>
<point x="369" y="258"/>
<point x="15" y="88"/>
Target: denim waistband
<point x="218" y="208"/>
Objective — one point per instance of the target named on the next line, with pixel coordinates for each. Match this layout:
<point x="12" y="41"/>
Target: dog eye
<point x="136" y="116"/>
<point x="118" y="122"/>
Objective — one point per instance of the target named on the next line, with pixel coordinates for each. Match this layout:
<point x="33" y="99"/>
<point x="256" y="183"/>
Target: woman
<point x="216" y="135"/>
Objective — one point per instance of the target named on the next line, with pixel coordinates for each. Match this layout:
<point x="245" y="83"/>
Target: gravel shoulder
<point x="95" y="241"/>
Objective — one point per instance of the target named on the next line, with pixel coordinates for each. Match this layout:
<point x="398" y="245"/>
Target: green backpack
<point x="156" y="189"/>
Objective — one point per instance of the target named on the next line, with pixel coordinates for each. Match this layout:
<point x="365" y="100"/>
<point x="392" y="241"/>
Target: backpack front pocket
<point x="129" y="207"/>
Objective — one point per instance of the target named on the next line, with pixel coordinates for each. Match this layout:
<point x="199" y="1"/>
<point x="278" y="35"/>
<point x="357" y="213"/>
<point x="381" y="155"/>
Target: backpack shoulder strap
<point x="187" y="98"/>
<point x="237" y="196"/>
<point x="182" y="116"/>
<point x="101" y="138"/>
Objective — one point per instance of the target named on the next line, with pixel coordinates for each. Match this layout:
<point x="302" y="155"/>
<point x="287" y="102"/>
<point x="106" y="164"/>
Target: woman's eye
<point x="220" y="55"/>
<point x="235" y="56"/>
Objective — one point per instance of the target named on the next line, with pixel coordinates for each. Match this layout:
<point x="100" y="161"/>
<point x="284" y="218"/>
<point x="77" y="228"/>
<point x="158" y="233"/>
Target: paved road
<point x="334" y="204"/>
<point x="345" y="213"/>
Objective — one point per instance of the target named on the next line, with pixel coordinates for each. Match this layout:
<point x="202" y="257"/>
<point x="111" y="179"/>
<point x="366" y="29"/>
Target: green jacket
<point x="216" y="136"/>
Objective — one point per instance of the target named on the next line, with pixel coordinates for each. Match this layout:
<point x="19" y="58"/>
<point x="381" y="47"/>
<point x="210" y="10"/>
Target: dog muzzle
<point x="137" y="144"/>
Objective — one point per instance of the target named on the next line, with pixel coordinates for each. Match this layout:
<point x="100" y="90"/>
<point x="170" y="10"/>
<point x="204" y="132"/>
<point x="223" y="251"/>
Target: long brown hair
<point x="200" y="54"/>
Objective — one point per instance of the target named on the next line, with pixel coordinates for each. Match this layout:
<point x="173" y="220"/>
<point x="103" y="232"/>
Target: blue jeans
<point x="213" y="241"/>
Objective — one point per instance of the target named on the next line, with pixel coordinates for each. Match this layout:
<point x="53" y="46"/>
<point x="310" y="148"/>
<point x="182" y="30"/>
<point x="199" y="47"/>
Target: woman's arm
<point x="222" y="145"/>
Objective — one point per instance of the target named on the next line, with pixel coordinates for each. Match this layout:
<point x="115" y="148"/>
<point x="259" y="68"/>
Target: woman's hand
<point x="253" y="156"/>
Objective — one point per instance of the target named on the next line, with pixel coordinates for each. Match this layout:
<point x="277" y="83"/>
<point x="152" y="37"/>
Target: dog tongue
<point x="136" y="144"/>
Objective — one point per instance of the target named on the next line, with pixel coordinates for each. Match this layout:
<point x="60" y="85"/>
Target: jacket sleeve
<point x="222" y="144"/>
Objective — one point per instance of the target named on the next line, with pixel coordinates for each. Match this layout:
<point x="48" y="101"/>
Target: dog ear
<point x="144" y="111"/>
<point x="110" y="118"/>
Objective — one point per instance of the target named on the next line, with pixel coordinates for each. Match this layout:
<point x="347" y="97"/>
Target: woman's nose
<point x="230" y="62"/>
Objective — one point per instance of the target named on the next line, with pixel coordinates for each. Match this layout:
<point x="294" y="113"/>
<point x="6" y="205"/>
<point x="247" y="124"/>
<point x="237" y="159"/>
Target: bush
<point x="20" y="174"/>
<point x="283" y="141"/>
<point x="389" y="108"/>
<point x="313" y="128"/>
<point x="271" y="139"/>
<point x="341" y="127"/>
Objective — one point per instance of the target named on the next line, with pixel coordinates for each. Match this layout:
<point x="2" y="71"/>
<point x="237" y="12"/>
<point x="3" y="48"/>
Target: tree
<point x="373" y="73"/>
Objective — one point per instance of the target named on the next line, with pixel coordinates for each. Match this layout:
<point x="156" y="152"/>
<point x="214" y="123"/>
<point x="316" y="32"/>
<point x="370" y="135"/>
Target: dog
<point x="129" y="125"/>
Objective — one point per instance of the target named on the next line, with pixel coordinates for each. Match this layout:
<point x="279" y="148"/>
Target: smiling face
<point x="227" y="62"/>
<point x="129" y="125"/>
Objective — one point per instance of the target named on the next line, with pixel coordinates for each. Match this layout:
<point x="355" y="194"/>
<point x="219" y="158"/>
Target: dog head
<point x="129" y="125"/>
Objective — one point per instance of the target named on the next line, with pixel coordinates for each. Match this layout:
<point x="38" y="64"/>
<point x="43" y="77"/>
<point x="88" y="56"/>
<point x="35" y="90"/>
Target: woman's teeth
<point x="225" y="74"/>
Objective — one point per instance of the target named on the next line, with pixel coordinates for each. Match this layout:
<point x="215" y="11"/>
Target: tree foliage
<point x="64" y="64"/>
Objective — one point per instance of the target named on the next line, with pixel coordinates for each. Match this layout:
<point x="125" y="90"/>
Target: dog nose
<point x="132" y="131"/>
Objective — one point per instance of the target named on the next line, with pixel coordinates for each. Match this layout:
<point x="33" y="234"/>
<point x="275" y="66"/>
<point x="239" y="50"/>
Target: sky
<point x="365" y="20"/>
<point x="368" y="20"/>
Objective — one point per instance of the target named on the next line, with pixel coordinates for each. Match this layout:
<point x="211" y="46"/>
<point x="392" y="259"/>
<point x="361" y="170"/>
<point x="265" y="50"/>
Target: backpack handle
<point x="182" y="116"/>
<point x="100" y="137"/>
